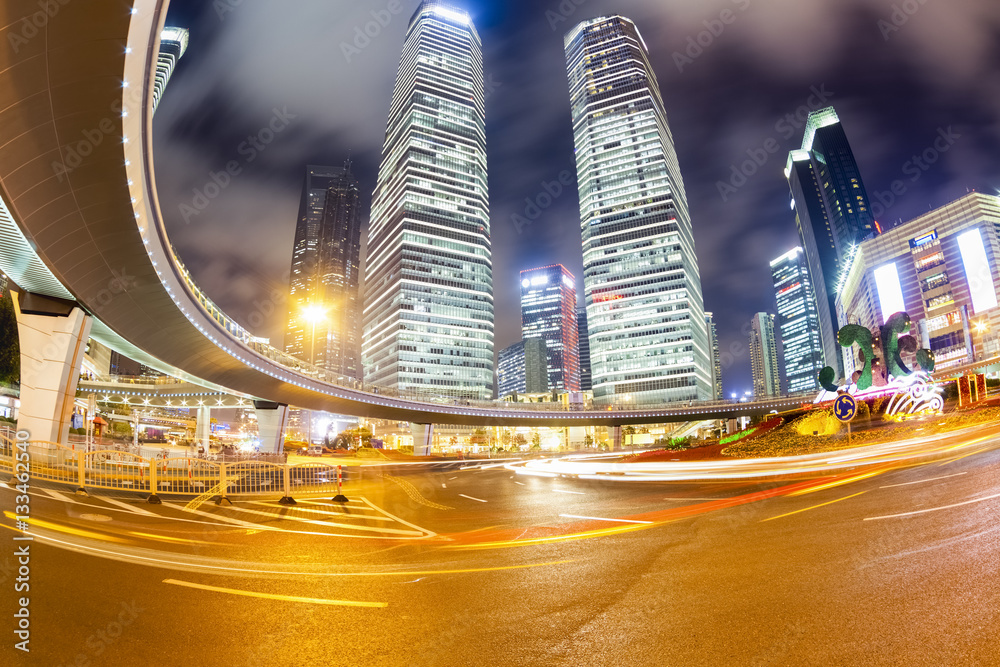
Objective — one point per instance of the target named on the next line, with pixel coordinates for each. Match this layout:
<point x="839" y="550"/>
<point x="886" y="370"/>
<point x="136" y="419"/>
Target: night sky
<point x="895" y="87"/>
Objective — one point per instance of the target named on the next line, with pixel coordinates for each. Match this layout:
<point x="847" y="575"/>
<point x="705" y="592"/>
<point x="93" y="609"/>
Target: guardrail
<point x="184" y="475"/>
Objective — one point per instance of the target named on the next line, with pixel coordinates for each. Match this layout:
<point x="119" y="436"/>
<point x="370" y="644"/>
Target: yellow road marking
<point x="271" y="596"/>
<point x="812" y="508"/>
<point x="839" y="482"/>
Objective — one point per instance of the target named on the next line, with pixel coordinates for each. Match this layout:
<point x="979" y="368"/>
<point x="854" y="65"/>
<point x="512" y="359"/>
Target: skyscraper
<point x="764" y="356"/>
<point x="521" y="368"/>
<point x="548" y="311"/>
<point x="713" y="339"/>
<point x="645" y="310"/>
<point x="173" y="44"/>
<point x="832" y="210"/>
<point x="799" y="323"/>
<point x="428" y="317"/>
<point x="584" y="347"/>
<point x="323" y="312"/>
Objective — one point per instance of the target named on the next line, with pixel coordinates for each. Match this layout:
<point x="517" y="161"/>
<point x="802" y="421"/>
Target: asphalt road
<point x="459" y="565"/>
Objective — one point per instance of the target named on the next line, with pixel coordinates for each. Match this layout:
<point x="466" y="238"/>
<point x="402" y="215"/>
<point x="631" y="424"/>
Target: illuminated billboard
<point x="977" y="271"/>
<point x="890" y="293"/>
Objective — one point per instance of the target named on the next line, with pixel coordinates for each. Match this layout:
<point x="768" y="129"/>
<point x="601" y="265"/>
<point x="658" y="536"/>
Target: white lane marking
<point x="428" y="533"/>
<point x="579" y="493"/>
<point x="294" y="508"/>
<point x="451" y="478"/>
<point x="332" y="524"/>
<point x="521" y="483"/>
<point x="597" y="518"/>
<point x="933" y="509"/>
<point x="358" y="506"/>
<point x="921" y="481"/>
<point x="226" y="519"/>
<point x="129" y="508"/>
<point x="479" y="500"/>
<point x="58" y="496"/>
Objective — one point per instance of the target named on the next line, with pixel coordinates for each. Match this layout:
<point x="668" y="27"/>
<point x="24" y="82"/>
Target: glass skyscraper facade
<point x="548" y="311"/>
<point x="521" y="368"/>
<point x="584" y="347"/>
<point x="324" y="308"/>
<point x="832" y="210"/>
<point x="764" y="356"/>
<point x="428" y="315"/>
<point x="645" y="309"/>
<point x="798" y="322"/>
<point x="173" y="44"/>
<point x="713" y="339"/>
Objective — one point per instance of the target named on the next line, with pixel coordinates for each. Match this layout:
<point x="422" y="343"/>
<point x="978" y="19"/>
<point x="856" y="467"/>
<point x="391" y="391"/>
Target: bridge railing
<point x="179" y="476"/>
<point x="263" y="348"/>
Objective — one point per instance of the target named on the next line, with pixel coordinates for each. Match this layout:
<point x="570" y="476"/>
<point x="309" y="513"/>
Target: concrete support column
<point x="203" y="427"/>
<point x="616" y="438"/>
<point x="423" y="437"/>
<point x="271" y="420"/>
<point x="53" y="337"/>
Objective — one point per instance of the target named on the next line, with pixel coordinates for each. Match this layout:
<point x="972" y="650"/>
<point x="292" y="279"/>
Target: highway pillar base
<point x="423" y="437"/>
<point x="220" y="500"/>
<point x="271" y="420"/>
<point x="154" y="499"/>
<point x="82" y="492"/>
<point x="339" y="498"/>
<point x="53" y="334"/>
<point x="287" y="500"/>
<point x="616" y="438"/>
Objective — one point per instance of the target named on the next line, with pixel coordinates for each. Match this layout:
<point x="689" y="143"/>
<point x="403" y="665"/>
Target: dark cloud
<point x="894" y="90"/>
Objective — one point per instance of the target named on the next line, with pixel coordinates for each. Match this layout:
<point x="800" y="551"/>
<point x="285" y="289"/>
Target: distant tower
<point x="764" y="356"/>
<point x="584" y="347"/>
<point x="521" y="368"/>
<point x="173" y="44"/>
<point x="324" y="310"/>
<point x="798" y="321"/>
<point x="548" y="311"/>
<point x="645" y="310"/>
<point x="832" y="211"/>
<point x="428" y="314"/>
<point x="713" y="339"/>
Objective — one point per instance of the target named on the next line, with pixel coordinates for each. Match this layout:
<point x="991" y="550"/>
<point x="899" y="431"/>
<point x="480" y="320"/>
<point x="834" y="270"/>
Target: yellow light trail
<point x="534" y="541"/>
<point x="79" y="532"/>
<point x="271" y="596"/>
<point x="811" y="508"/>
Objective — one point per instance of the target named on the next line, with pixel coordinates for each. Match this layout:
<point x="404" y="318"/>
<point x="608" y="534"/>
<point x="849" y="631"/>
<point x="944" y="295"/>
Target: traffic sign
<point x="845" y="407"/>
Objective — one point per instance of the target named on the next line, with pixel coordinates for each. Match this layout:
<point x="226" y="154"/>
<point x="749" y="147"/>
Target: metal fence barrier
<point x="186" y="476"/>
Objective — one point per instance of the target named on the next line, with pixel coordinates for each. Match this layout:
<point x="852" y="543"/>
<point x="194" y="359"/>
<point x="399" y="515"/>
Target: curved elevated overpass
<point x="80" y="222"/>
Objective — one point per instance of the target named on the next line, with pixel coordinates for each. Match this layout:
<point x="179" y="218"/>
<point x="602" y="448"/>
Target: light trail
<point x="272" y="596"/>
<point x="597" y="518"/>
<point x="933" y="509"/>
<point x="921" y="481"/>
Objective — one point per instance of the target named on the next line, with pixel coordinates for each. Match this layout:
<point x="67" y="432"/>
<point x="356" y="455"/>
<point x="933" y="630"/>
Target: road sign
<point x="845" y="407"/>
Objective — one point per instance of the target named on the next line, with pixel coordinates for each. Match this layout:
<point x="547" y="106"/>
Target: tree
<point x="536" y="440"/>
<point x="519" y="440"/>
<point x="10" y="350"/>
<point x="588" y="441"/>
